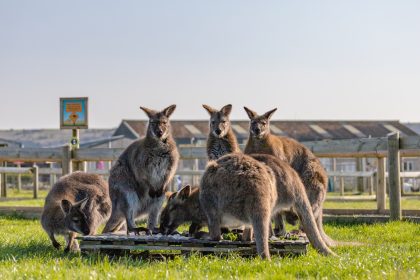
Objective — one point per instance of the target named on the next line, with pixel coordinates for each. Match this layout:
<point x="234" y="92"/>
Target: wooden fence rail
<point x="393" y="147"/>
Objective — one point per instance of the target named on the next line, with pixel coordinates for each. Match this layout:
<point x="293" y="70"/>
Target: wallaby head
<point x="159" y="126"/>
<point x="175" y="212"/>
<point x="219" y="120"/>
<point x="259" y="125"/>
<point x="75" y="216"/>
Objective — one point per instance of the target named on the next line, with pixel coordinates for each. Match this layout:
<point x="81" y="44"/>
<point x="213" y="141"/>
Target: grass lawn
<point x="24" y="198"/>
<point x="392" y="251"/>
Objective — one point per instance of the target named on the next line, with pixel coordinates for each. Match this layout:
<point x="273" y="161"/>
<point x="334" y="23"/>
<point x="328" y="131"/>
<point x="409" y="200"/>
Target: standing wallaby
<point x="221" y="138"/>
<point x="307" y="165"/>
<point x="237" y="190"/>
<point x="77" y="203"/>
<point x="184" y="207"/>
<point x="141" y="175"/>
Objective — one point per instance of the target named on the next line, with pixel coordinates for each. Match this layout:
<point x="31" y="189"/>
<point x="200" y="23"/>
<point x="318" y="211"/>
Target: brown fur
<point x="77" y="203"/>
<point x="140" y="177"/>
<point x="222" y="139"/>
<point x="237" y="190"/>
<point x="183" y="207"/>
<point x="309" y="168"/>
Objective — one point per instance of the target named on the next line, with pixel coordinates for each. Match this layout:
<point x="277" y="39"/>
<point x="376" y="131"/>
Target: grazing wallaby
<point x="140" y="177"/>
<point x="77" y="203"/>
<point x="307" y="165"/>
<point x="238" y="190"/>
<point x="221" y="138"/>
<point x="184" y="206"/>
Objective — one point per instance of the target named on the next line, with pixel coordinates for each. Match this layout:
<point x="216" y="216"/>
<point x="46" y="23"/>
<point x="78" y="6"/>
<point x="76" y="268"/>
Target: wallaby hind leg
<point x="260" y="228"/>
<point x="115" y="222"/>
<point x="154" y="214"/>
<point x="279" y="225"/>
<point x="328" y="240"/>
<point x="54" y="241"/>
<point x="213" y="219"/>
<point x="132" y="204"/>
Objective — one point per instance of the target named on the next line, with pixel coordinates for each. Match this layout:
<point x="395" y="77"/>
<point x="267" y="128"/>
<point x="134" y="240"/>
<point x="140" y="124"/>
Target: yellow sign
<point x="73" y="107"/>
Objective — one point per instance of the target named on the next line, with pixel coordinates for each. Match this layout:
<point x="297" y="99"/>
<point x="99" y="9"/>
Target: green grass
<point x="407" y="203"/>
<point x="24" y="198"/>
<point x="392" y="251"/>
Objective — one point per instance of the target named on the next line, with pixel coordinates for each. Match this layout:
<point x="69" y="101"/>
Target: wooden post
<point x="360" y="180"/>
<point x="394" y="176"/>
<point x="35" y="175"/>
<point x="381" y="185"/>
<point x="341" y="186"/>
<point x="19" y="180"/>
<point x="371" y="181"/>
<point x="66" y="162"/>
<point x="3" y="182"/>
<point x="52" y="176"/>
<point x="334" y="168"/>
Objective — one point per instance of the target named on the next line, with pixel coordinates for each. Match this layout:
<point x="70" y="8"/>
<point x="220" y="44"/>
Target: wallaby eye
<point x="264" y="123"/>
<point x="76" y="220"/>
<point x="223" y="121"/>
<point x="213" y="122"/>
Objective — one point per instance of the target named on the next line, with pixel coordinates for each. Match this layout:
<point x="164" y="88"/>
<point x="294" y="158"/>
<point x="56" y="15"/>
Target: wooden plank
<point x="31" y="154"/>
<point x="338" y="212"/>
<point x="351" y="174"/>
<point x="363" y="147"/>
<point x="97" y="154"/>
<point x="394" y="176"/>
<point x="381" y="186"/>
<point x="15" y="170"/>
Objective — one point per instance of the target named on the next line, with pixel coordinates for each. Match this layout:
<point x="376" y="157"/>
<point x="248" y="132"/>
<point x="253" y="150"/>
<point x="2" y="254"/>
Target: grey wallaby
<point x="77" y="203"/>
<point x="306" y="164"/>
<point x="238" y="190"/>
<point x="184" y="207"/>
<point x="221" y="138"/>
<point x="140" y="177"/>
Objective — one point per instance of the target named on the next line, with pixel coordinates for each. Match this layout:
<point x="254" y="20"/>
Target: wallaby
<point x="77" y="203"/>
<point x="238" y="190"/>
<point x="222" y="139"/>
<point x="184" y="206"/>
<point x="140" y="177"/>
<point x="307" y="165"/>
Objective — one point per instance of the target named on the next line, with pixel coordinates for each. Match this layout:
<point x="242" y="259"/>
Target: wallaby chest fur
<point x="218" y="147"/>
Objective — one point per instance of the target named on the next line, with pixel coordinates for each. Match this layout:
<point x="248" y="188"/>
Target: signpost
<point x="74" y="115"/>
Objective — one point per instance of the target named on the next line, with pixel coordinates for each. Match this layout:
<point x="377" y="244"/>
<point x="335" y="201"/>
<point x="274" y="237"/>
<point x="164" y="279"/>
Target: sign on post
<point x="74" y="113"/>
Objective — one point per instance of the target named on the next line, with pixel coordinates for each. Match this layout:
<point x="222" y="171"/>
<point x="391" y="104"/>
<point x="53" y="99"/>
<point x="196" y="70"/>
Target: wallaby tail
<point x="304" y="211"/>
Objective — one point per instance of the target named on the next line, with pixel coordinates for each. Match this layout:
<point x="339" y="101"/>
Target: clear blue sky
<point x="311" y="59"/>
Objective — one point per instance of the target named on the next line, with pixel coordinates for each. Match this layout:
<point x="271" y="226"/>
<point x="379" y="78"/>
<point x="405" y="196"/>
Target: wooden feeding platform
<point x="162" y="245"/>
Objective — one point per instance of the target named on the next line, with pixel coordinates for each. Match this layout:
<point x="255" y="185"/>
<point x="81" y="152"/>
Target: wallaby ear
<point x="185" y="192"/>
<point x="149" y="112"/>
<point x="251" y="114"/>
<point x="82" y="203"/>
<point x="66" y="206"/>
<point x="226" y="110"/>
<point x="209" y="109"/>
<point x="169" y="110"/>
<point x="168" y="195"/>
<point x="269" y="113"/>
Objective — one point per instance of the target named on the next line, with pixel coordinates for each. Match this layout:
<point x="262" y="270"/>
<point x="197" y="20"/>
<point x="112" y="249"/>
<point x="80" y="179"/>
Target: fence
<point x="392" y="147"/>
